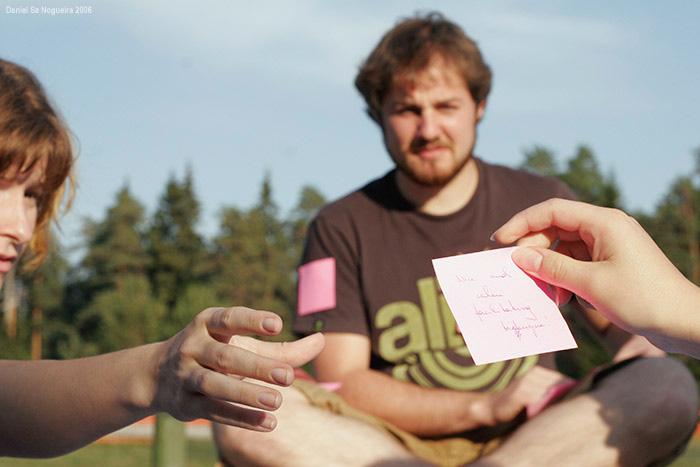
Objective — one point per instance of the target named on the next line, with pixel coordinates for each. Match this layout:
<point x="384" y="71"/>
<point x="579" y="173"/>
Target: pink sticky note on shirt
<point x="316" y="286"/>
<point x="501" y="312"/>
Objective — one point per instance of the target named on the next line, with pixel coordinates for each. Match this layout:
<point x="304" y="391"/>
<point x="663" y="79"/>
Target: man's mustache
<point x="420" y="144"/>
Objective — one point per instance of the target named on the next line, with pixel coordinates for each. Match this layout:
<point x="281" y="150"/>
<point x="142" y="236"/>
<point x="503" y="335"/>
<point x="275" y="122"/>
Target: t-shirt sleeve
<point x="329" y="297"/>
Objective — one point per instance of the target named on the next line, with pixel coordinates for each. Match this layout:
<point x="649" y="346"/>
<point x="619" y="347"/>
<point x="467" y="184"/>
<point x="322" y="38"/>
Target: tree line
<point x="142" y="278"/>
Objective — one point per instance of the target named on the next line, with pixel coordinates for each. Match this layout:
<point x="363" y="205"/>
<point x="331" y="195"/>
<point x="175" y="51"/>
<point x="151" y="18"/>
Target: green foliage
<point x="45" y="285"/>
<point x="310" y="202"/>
<point x="115" y="245"/>
<point x="45" y="290"/>
<point x="251" y="253"/>
<point x="17" y="348"/>
<point x="128" y="314"/>
<point x="673" y="225"/>
<point x="582" y="174"/>
<point x="142" y="280"/>
<point x="176" y="249"/>
<point x="584" y="177"/>
<point x="201" y="453"/>
<point x="115" y="307"/>
<point x="196" y="298"/>
<point x="540" y="160"/>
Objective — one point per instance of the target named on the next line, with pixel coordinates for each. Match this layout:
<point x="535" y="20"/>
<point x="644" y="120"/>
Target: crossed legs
<point x="635" y="416"/>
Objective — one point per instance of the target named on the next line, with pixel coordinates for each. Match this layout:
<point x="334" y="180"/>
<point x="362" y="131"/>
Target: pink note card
<point x="316" y="286"/>
<point x="501" y="312"/>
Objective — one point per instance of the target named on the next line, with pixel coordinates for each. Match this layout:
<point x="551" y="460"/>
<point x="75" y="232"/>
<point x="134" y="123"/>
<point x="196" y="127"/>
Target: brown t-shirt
<point x="385" y="286"/>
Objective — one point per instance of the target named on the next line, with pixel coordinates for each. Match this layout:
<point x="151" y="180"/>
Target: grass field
<point x="201" y="454"/>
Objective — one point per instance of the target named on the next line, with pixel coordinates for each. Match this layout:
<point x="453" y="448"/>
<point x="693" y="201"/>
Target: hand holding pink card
<point x="502" y="312"/>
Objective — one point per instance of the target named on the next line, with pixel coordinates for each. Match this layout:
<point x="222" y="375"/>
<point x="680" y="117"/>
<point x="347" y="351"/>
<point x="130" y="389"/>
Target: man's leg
<point x="633" y="417"/>
<point x="310" y="436"/>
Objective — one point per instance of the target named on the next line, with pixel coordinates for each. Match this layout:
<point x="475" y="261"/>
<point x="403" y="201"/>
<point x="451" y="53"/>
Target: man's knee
<point x="662" y="395"/>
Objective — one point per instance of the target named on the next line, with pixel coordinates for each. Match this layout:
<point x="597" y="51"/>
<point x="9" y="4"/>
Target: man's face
<point x="429" y="124"/>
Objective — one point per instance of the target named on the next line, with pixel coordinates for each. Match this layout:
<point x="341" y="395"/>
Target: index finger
<point x="226" y="322"/>
<point x="567" y="215"/>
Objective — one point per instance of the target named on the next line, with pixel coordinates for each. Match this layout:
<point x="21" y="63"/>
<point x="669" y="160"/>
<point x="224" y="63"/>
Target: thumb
<point x="304" y="350"/>
<point x="554" y="268"/>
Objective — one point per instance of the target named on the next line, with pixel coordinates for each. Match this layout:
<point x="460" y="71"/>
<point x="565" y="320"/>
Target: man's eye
<point x="448" y="107"/>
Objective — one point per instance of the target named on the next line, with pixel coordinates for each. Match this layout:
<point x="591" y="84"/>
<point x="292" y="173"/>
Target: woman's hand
<point x="199" y="372"/>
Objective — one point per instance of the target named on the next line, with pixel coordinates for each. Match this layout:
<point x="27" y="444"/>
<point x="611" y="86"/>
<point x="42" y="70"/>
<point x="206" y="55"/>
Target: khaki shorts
<point x="455" y="451"/>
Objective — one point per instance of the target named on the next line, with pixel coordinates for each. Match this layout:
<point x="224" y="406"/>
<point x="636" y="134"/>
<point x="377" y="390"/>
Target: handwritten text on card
<point x="502" y="312"/>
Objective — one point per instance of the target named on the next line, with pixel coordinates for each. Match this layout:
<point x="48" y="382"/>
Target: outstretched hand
<point x="200" y="370"/>
<point x="606" y="258"/>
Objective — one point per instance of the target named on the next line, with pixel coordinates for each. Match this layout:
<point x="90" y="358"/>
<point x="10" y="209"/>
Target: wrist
<point x="141" y="387"/>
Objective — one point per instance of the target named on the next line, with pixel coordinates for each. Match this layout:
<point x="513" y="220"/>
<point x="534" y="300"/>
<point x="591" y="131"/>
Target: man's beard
<point x="431" y="178"/>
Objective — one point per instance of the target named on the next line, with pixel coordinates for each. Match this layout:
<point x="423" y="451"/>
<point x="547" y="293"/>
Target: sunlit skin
<point x="19" y="192"/>
<point x="429" y="125"/>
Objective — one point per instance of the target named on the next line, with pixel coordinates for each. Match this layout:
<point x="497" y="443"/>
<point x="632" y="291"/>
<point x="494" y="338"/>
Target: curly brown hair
<point x="409" y="47"/>
<point x="31" y="133"/>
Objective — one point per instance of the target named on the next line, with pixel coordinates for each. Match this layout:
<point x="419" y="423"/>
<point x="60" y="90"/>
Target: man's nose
<point x="428" y="128"/>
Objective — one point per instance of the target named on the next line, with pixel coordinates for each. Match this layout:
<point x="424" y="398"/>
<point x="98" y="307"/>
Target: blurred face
<point x="18" y="213"/>
<point x="429" y="124"/>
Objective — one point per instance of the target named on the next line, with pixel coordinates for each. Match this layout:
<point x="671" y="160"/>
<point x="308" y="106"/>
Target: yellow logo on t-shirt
<point x="426" y="348"/>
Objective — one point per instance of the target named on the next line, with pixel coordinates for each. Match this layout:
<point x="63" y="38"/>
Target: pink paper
<point x="316" y="286"/>
<point x="501" y="312"/>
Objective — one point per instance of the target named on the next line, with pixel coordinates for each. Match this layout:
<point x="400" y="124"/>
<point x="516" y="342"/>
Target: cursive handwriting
<point x="501" y="275"/>
<point x="498" y="308"/>
<point x="487" y="293"/>
<point x="518" y="329"/>
<point x="462" y="278"/>
<point x="510" y="308"/>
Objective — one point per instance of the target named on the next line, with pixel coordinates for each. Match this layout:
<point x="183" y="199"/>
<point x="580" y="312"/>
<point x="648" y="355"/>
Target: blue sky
<point x="235" y="88"/>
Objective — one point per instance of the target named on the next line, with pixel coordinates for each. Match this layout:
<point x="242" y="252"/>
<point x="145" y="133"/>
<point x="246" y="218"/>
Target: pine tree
<point x="310" y="202"/>
<point x="121" y="311"/>
<point x="251" y="253"/>
<point x="177" y="252"/>
<point x="176" y="249"/>
<point x="674" y="226"/>
<point x="540" y="160"/>
<point x="45" y="289"/>
<point x="584" y="177"/>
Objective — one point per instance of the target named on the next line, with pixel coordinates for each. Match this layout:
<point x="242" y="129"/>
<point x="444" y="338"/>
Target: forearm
<point x="418" y="410"/>
<point x="677" y="328"/>
<point x="52" y="407"/>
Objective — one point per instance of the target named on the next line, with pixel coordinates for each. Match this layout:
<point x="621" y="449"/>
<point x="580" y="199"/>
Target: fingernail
<point x="269" y="400"/>
<point x="270" y="423"/>
<point x="528" y="259"/>
<point x="493" y="237"/>
<point x="282" y="376"/>
<point x="271" y="325"/>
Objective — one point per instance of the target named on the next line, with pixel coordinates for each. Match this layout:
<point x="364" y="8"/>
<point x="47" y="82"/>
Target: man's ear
<point x="480" y="110"/>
